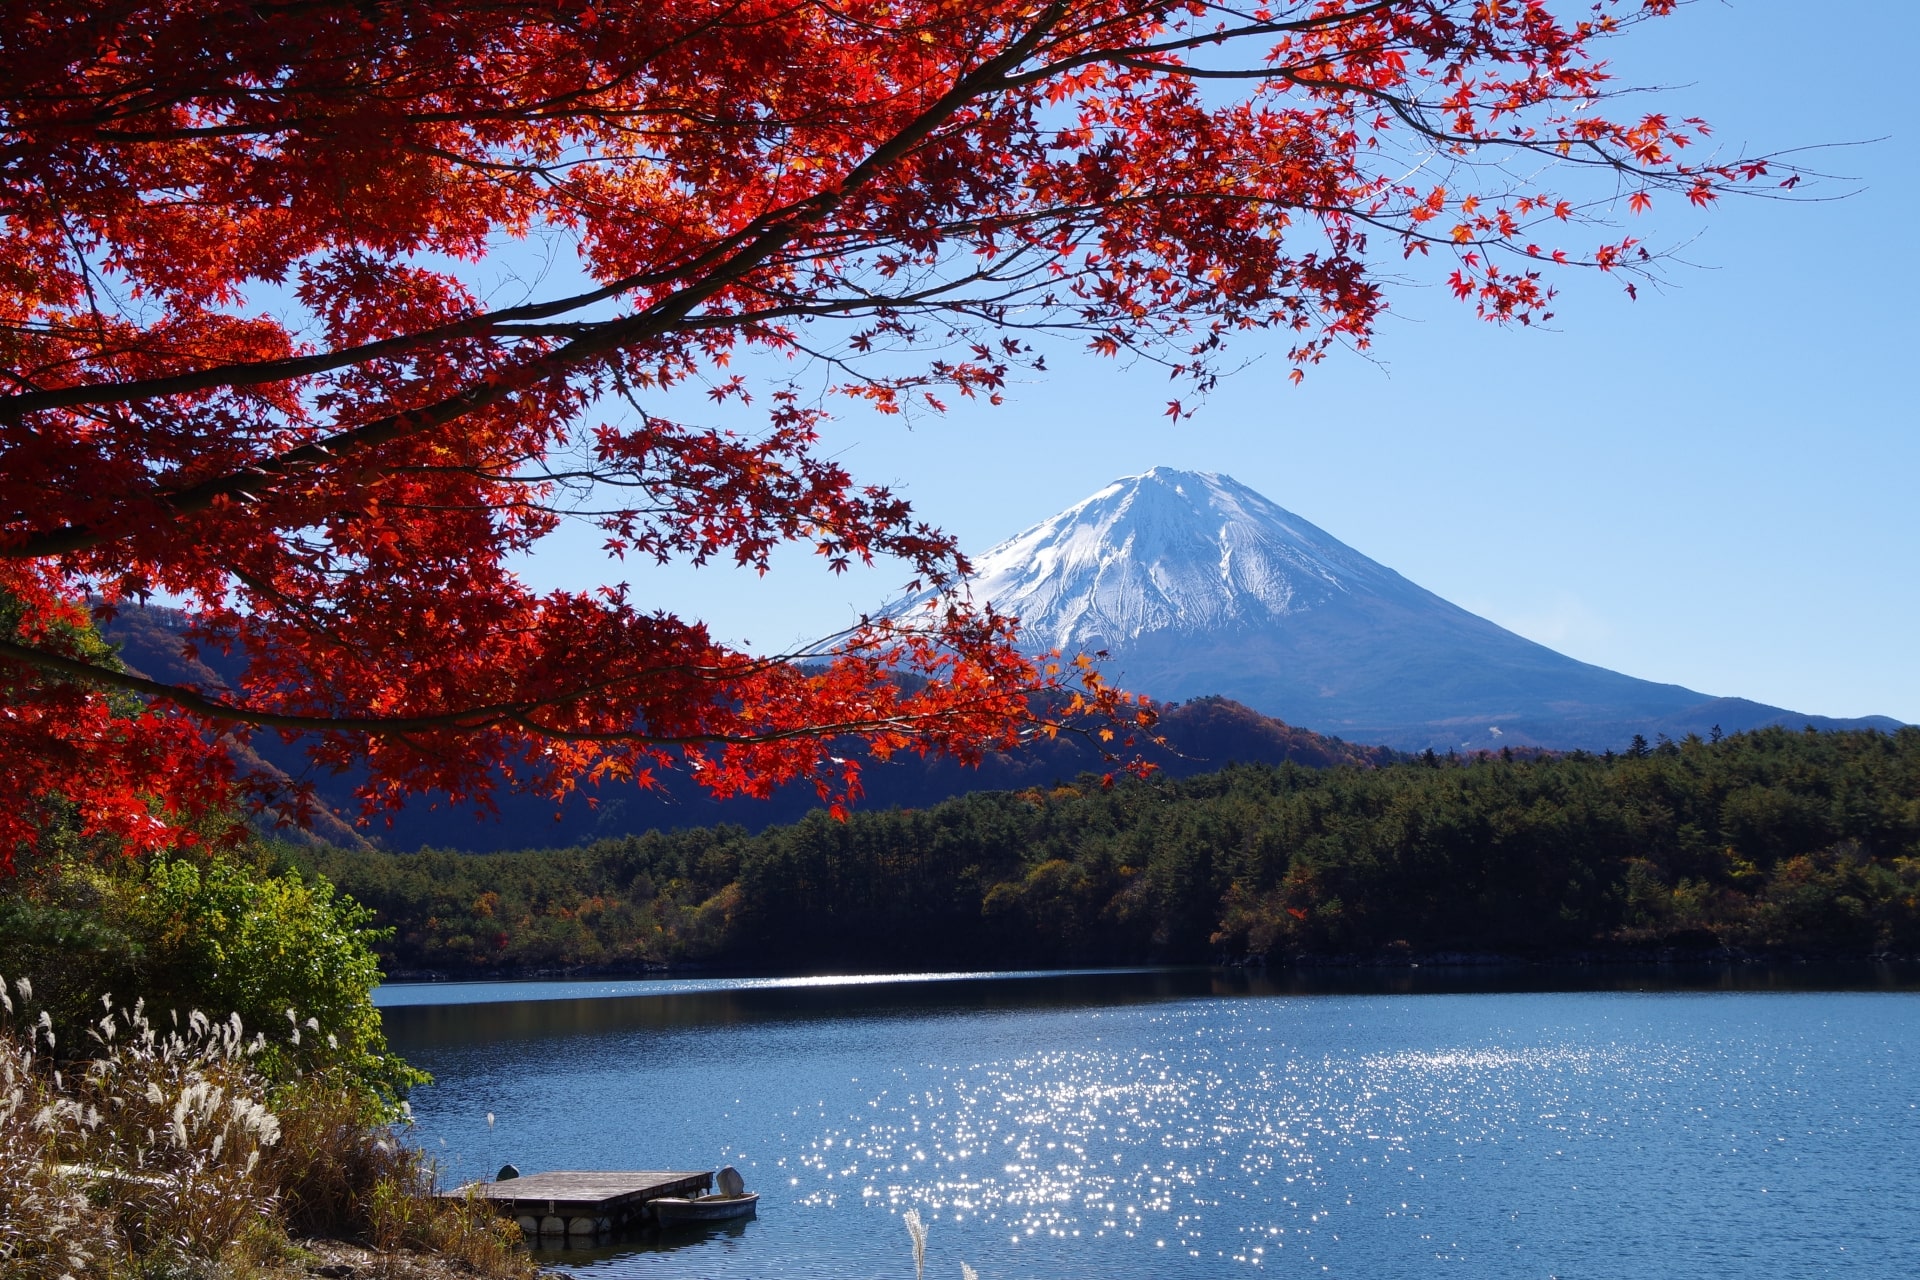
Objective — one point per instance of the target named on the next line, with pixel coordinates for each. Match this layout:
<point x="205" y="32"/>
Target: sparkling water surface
<point x="1187" y="1123"/>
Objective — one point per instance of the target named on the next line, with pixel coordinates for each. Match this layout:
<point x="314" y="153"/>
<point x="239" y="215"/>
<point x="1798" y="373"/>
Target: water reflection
<point x="467" y="1023"/>
<point x="491" y="1012"/>
<point x="631" y="1249"/>
<point x="397" y="995"/>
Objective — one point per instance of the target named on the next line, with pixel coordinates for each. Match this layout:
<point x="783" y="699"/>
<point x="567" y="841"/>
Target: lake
<point x="1191" y="1123"/>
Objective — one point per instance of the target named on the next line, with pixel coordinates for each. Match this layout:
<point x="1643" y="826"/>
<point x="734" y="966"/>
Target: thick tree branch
<point x="660" y="318"/>
<point x="500" y="716"/>
<point x="231" y="713"/>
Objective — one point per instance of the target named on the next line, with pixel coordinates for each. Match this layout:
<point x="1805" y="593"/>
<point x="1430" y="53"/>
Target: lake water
<point x="1187" y="1123"/>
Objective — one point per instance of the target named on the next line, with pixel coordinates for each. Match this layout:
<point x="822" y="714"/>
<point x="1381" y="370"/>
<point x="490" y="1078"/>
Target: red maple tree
<point x="249" y="365"/>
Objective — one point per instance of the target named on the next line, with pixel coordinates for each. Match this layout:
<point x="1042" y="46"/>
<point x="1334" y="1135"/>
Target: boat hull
<point x="672" y="1209"/>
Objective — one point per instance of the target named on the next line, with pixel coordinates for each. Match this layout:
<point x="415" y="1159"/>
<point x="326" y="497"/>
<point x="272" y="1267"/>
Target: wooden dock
<point x="584" y="1205"/>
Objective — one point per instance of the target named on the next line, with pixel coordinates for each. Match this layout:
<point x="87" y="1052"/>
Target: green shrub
<point x="214" y="933"/>
<point x="272" y="948"/>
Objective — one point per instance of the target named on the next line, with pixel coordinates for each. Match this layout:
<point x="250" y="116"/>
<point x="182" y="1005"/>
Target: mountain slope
<point x="1195" y="584"/>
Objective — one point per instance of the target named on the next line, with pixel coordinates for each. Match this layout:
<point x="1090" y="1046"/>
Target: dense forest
<point x="1766" y="842"/>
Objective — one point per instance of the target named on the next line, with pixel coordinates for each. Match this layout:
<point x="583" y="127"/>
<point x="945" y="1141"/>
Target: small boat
<point x="710" y="1208"/>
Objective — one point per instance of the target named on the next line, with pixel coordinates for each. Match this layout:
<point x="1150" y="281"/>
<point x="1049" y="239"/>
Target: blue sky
<point x="1714" y="485"/>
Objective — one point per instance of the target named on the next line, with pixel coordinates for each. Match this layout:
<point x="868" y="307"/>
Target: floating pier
<point x="582" y="1205"/>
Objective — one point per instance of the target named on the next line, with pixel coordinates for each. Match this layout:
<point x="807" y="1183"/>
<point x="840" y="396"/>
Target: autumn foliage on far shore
<point x="269" y="351"/>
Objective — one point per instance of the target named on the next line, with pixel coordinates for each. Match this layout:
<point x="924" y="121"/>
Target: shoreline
<point x="1684" y="958"/>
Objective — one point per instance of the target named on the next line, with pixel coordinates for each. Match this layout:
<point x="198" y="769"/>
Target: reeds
<point x="47" y="1227"/>
<point x="917" y="1232"/>
<point x="160" y="1156"/>
<point x="151" y="1149"/>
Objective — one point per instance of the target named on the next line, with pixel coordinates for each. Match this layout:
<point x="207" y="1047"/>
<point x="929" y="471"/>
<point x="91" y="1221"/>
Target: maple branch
<point x="767" y="225"/>
<point x="519" y="714"/>
<point x="873" y="724"/>
<point x="263" y="372"/>
<point x="1248" y="30"/>
<point x="162" y="97"/>
<point x="217" y="709"/>
<point x="661" y="317"/>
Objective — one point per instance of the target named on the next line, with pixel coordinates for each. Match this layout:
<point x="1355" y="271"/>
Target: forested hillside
<point x="1771" y="841"/>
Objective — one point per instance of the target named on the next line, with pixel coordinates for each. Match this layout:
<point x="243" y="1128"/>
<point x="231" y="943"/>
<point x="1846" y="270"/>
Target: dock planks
<point x="580" y="1203"/>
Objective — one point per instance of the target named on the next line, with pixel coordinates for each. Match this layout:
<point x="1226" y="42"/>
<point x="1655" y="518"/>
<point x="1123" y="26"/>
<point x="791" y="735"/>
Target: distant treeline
<point x="1772" y="841"/>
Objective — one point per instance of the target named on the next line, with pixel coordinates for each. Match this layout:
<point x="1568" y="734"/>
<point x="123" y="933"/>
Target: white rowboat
<point x="713" y="1208"/>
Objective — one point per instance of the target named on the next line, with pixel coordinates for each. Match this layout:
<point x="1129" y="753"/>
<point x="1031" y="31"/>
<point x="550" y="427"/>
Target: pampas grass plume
<point x="918" y="1231"/>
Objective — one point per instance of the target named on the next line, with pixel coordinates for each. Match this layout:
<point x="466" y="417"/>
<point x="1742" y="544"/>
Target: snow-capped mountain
<point x="1195" y="584"/>
<point x="1170" y="550"/>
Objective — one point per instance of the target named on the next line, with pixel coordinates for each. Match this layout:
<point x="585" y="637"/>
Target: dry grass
<point x="343" y="1175"/>
<point x="334" y="1154"/>
<point x="159" y="1157"/>
<point x="145" y="1159"/>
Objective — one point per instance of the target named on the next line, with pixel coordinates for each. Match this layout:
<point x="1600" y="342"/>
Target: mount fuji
<point x="1194" y="584"/>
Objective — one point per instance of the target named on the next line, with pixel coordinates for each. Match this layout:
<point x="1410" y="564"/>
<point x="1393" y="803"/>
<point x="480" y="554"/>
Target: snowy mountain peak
<point x="1197" y="585"/>
<point x="1168" y="550"/>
